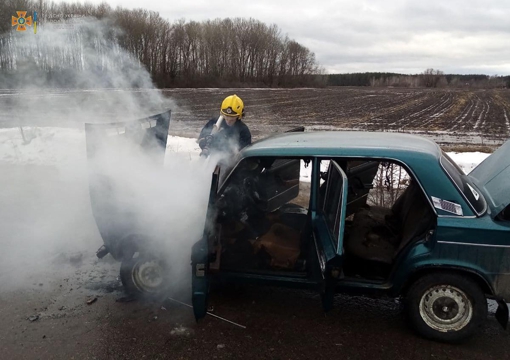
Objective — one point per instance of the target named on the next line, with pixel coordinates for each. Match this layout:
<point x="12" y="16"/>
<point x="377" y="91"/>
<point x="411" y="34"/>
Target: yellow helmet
<point x="232" y="105"/>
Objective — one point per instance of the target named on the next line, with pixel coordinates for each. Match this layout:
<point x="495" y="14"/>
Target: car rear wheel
<point x="145" y="276"/>
<point x="445" y="307"/>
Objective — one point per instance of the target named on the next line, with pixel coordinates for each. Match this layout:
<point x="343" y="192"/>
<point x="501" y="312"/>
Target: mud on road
<point x="280" y="324"/>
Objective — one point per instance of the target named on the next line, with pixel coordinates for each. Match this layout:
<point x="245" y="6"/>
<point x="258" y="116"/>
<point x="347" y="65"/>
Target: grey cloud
<point x="368" y="35"/>
<point x="458" y="17"/>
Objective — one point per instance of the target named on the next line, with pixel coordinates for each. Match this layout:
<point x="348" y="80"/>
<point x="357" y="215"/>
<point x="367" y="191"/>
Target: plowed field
<point x="464" y="116"/>
<point x="449" y="116"/>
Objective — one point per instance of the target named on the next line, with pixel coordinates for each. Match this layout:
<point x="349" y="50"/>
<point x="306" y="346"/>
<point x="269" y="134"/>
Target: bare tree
<point x="431" y="77"/>
<point x="219" y="52"/>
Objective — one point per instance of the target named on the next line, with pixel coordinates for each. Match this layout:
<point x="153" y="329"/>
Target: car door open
<point x="200" y="257"/>
<point x="328" y="230"/>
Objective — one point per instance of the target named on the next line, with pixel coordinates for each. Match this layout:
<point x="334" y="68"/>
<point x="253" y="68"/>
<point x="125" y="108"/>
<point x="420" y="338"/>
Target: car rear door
<point x="328" y="229"/>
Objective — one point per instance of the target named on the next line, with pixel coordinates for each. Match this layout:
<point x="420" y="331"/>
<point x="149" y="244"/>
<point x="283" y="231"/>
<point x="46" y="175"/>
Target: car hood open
<point x="493" y="175"/>
<point x="109" y="146"/>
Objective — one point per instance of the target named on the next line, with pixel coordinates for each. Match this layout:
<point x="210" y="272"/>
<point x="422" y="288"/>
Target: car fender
<point x="402" y="283"/>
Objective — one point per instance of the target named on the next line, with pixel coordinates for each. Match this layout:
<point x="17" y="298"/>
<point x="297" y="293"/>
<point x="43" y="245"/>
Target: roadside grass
<point x="469" y="148"/>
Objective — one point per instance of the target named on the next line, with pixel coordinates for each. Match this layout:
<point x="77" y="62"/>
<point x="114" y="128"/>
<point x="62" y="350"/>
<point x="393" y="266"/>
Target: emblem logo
<point x="22" y="21"/>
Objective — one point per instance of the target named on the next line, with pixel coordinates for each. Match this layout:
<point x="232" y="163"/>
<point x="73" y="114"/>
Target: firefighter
<point x="232" y="135"/>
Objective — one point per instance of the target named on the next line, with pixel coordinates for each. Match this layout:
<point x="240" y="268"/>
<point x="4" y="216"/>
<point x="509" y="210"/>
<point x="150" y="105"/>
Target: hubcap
<point x="446" y="308"/>
<point x="148" y="276"/>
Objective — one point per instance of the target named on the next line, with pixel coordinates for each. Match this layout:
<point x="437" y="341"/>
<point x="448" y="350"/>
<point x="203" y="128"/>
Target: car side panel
<point x="422" y="260"/>
<point x="478" y="246"/>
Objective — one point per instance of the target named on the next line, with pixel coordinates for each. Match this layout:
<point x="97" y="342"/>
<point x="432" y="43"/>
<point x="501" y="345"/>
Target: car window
<point x="464" y="184"/>
<point x="389" y="183"/>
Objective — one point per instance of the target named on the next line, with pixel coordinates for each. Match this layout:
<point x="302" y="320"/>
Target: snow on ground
<point x="41" y="146"/>
<point x="467" y="161"/>
<point x="61" y="146"/>
<point x="188" y="147"/>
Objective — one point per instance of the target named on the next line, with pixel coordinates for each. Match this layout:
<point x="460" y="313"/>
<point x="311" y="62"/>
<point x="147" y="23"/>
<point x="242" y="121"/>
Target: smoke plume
<point x="45" y="211"/>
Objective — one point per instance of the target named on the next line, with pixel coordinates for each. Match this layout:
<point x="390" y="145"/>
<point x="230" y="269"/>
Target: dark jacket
<point x="227" y="138"/>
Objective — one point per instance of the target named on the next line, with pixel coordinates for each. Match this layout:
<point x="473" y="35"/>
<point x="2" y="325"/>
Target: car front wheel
<point x="145" y="276"/>
<point x="445" y="307"/>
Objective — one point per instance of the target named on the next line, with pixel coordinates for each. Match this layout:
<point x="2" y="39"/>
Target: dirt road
<point x="280" y="324"/>
<point x="49" y="276"/>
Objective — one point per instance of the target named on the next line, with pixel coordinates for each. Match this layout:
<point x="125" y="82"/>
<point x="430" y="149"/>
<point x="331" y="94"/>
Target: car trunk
<point x="492" y="176"/>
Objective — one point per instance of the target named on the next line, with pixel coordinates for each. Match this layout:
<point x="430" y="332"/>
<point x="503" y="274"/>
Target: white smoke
<point x="70" y="65"/>
<point x="45" y="209"/>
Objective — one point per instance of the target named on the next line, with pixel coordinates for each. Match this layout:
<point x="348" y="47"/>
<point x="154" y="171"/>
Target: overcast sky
<point x="455" y="36"/>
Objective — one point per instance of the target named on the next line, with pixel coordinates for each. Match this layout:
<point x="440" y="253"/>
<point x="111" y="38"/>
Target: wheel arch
<point x="127" y="246"/>
<point x="469" y="273"/>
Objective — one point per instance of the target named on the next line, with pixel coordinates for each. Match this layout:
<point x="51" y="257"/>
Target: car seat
<point x="379" y="234"/>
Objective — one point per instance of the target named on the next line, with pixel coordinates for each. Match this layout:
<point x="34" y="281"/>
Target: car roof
<point x="344" y="143"/>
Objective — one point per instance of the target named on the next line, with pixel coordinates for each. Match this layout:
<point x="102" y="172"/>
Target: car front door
<point x="200" y="256"/>
<point x="328" y="219"/>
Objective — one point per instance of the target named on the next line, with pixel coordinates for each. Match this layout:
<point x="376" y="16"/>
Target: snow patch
<point x="467" y="161"/>
<point x="62" y="146"/>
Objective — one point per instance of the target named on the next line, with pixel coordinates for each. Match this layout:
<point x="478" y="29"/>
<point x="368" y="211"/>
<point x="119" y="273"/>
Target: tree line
<point x="220" y="52"/>
<point x="429" y="78"/>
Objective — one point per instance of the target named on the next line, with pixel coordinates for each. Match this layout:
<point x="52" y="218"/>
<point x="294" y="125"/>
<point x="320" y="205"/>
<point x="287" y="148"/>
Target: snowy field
<point x="62" y="146"/>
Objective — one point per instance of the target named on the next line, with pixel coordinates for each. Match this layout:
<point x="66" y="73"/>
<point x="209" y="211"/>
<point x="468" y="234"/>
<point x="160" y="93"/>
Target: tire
<point x="145" y="276"/>
<point x="445" y="307"/>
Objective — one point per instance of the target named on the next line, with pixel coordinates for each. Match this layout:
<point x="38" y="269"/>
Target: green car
<point x="363" y="213"/>
<point x="386" y="214"/>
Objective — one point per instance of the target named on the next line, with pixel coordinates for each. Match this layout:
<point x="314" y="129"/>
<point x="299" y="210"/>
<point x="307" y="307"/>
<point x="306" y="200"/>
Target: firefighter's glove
<point x="205" y="152"/>
<point x="205" y="142"/>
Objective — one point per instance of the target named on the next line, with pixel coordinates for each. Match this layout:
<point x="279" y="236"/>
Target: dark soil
<point x="460" y="117"/>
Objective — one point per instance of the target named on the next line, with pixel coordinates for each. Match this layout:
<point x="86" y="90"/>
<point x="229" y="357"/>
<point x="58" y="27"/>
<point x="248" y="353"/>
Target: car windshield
<point x="465" y="185"/>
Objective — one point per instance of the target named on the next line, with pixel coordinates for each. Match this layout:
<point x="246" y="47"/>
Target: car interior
<point x="264" y="225"/>
<point x="379" y="229"/>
